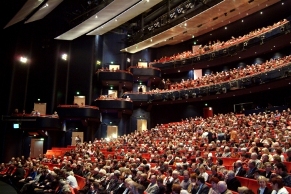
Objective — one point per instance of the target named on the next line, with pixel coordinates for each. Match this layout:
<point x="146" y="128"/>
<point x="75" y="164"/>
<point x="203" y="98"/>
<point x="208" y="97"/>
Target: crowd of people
<point x="183" y="157"/>
<point x="218" y="45"/>
<point x="223" y="76"/>
<point x="232" y="74"/>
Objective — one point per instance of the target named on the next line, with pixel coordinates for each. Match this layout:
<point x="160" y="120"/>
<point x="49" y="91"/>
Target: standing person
<point x="140" y="89"/>
<point x="78" y="139"/>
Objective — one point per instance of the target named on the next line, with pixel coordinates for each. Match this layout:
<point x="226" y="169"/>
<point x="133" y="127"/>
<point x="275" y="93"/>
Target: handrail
<point x="222" y="45"/>
<point x="220" y="83"/>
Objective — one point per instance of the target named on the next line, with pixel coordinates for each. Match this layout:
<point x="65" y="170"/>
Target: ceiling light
<point x="96" y="16"/>
<point x="64" y="56"/>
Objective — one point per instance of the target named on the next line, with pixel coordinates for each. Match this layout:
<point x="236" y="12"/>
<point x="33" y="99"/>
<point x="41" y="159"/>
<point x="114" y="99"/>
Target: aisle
<point x="6" y="188"/>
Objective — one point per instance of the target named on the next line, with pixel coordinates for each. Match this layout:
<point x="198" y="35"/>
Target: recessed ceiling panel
<point x="27" y="8"/>
<point x="110" y="11"/>
<point x="226" y="12"/>
<point x="132" y="12"/>
<point x="46" y="9"/>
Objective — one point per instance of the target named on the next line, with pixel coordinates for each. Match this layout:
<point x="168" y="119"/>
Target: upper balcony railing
<point x="241" y="78"/>
<point x="220" y="49"/>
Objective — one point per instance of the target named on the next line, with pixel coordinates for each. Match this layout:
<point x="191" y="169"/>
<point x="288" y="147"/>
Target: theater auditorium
<point x="145" y="97"/>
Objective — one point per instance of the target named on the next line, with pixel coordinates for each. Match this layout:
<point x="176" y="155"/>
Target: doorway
<point x="74" y="135"/>
<point x="112" y="131"/>
<point x="142" y="125"/>
<point x="36" y="147"/>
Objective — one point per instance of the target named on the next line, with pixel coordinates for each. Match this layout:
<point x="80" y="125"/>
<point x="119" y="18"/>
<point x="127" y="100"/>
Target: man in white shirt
<point x="153" y="187"/>
<point x="72" y="181"/>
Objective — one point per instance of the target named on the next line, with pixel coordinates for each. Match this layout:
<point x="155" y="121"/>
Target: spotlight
<point x="64" y="56"/>
<point x="23" y="59"/>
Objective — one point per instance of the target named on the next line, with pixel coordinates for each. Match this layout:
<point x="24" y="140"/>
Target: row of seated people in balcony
<point x="217" y="45"/>
<point x="232" y="74"/>
<point x="224" y="76"/>
<point x="112" y="97"/>
<point x="106" y="69"/>
<point x="179" y="145"/>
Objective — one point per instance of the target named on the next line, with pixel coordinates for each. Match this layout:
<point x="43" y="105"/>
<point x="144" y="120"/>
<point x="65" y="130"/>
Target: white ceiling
<point x="43" y="11"/>
<point x="26" y="9"/>
<point x="112" y="16"/>
<point x="132" y="12"/>
<point x="203" y="23"/>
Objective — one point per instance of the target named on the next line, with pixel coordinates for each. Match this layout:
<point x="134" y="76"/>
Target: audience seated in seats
<point x="231" y="181"/>
<point x="217" y="45"/>
<point x="222" y="77"/>
<point x="166" y="144"/>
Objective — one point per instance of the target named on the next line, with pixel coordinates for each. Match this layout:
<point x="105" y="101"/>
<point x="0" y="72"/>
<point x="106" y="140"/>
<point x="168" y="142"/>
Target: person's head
<point x="137" y="188"/>
<point x="193" y="177"/>
<point x="186" y="175"/>
<point x="160" y="181"/>
<point x="143" y="177"/>
<point x="276" y="159"/>
<point x="254" y="156"/>
<point x="221" y="186"/>
<point x="176" y="189"/>
<point x="175" y="174"/>
<point x="183" y="191"/>
<point x="219" y="162"/>
<point x="277" y="183"/>
<point x="127" y="182"/>
<point x="238" y="164"/>
<point x="252" y="164"/>
<point x="242" y="189"/>
<point x="279" y="168"/>
<point x="288" y="152"/>
<point x="153" y="179"/>
<point x="200" y="180"/>
<point x="230" y="175"/>
<point x="268" y="166"/>
<point x="213" y="181"/>
<point x="262" y="181"/>
<point x="265" y="158"/>
<point x="202" y="169"/>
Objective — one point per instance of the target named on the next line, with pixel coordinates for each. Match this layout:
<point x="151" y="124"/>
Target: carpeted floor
<point x="6" y="188"/>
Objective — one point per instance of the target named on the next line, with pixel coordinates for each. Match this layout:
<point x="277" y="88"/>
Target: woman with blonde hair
<point x="263" y="189"/>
